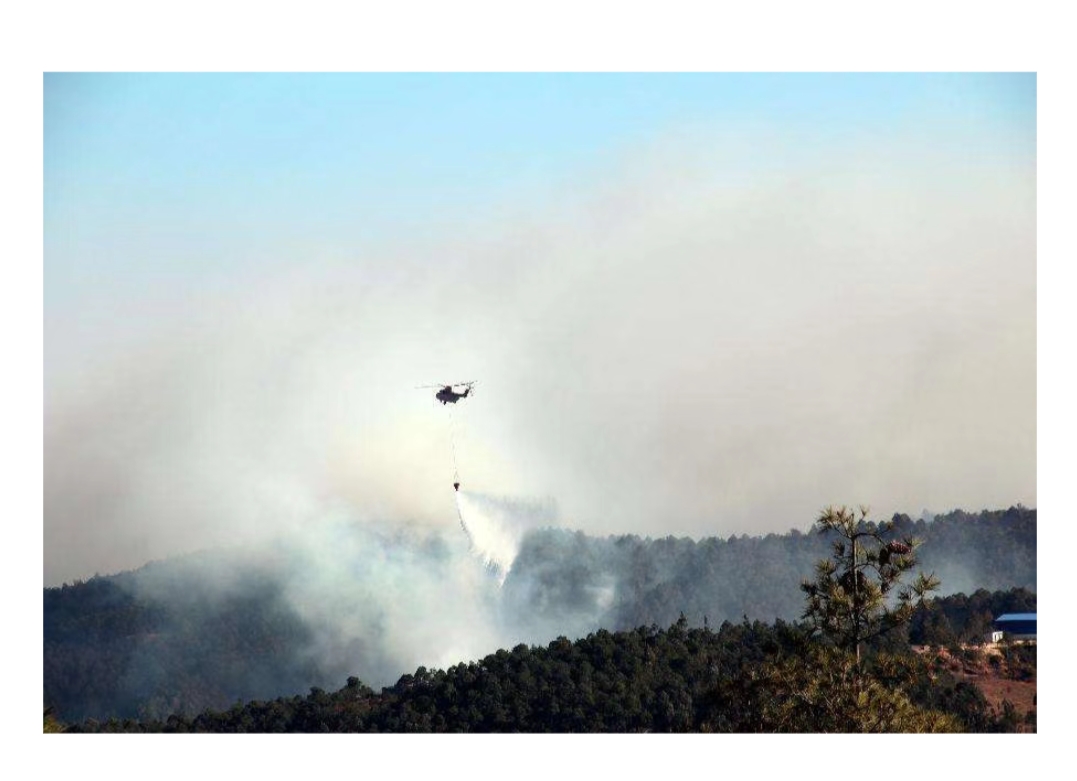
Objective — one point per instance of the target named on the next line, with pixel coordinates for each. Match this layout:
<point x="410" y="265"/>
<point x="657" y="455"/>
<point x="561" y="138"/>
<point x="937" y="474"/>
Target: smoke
<point x="687" y="347"/>
<point x="683" y="343"/>
<point x="381" y="602"/>
<point x="565" y="583"/>
<point x="367" y="598"/>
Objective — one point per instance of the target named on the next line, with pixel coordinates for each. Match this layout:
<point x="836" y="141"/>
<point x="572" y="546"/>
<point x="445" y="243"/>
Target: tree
<point x="819" y="690"/>
<point x="852" y="599"/>
<point x="936" y="630"/>
<point x="51" y="723"/>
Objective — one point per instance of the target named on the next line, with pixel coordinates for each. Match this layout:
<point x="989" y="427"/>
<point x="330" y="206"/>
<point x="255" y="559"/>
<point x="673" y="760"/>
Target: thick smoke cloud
<point x="691" y="346"/>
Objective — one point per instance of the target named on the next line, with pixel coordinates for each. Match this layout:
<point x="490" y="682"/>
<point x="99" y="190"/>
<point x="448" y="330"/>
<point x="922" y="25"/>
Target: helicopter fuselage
<point x="448" y="396"/>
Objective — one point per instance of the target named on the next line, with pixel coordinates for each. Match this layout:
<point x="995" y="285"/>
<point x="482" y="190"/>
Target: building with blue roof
<point x="1017" y="626"/>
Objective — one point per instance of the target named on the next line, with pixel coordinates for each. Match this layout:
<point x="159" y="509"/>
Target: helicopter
<point x="446" y="393"/>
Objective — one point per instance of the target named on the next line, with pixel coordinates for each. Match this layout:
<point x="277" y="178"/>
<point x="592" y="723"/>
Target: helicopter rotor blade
<point x="449" y="385"/>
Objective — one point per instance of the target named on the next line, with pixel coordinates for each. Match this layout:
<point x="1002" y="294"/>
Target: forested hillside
<point x="646" y="680"/>
<point x="623" y="582"/>
<point x="162" y="640"/>
<point x="208" y="630"/>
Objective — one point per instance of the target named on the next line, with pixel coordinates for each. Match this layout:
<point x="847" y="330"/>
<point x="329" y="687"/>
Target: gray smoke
<point x="681" y="348"/>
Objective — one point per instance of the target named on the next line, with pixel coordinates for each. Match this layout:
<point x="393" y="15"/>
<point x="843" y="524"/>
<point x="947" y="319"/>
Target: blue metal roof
<point x="1017" y="617"/>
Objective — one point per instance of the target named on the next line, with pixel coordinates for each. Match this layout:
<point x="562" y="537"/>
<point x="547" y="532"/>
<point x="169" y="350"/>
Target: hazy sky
<point x="696" y="304"/>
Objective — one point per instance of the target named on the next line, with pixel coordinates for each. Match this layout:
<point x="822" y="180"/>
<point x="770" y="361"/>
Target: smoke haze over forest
<point x="352" y="599"/>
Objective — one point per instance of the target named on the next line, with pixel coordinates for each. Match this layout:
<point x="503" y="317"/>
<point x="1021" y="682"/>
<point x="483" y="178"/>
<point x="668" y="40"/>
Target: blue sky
<point x="165" y="175"/>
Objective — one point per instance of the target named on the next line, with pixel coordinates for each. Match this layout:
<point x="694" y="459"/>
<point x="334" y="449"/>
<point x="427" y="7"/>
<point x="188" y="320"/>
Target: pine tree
<point x="855" y="596"/>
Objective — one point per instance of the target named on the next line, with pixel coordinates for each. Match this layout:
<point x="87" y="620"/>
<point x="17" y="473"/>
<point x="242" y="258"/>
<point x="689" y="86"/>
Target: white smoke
<point x="667" y="353"/>
<point x="685" y="349"/>
<point x="380" y="600"/>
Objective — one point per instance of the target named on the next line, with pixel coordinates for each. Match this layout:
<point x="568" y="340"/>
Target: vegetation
<point x="746" y="677"/>
<point x="114" y="649"/>
<point x="141" y="658"/>
<point x="51" y="723"/>
<point x="959" y="618"/>
<point x="827" y="689"/>
<point x="849" y="601"/>
<point x="724" y="579"/>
